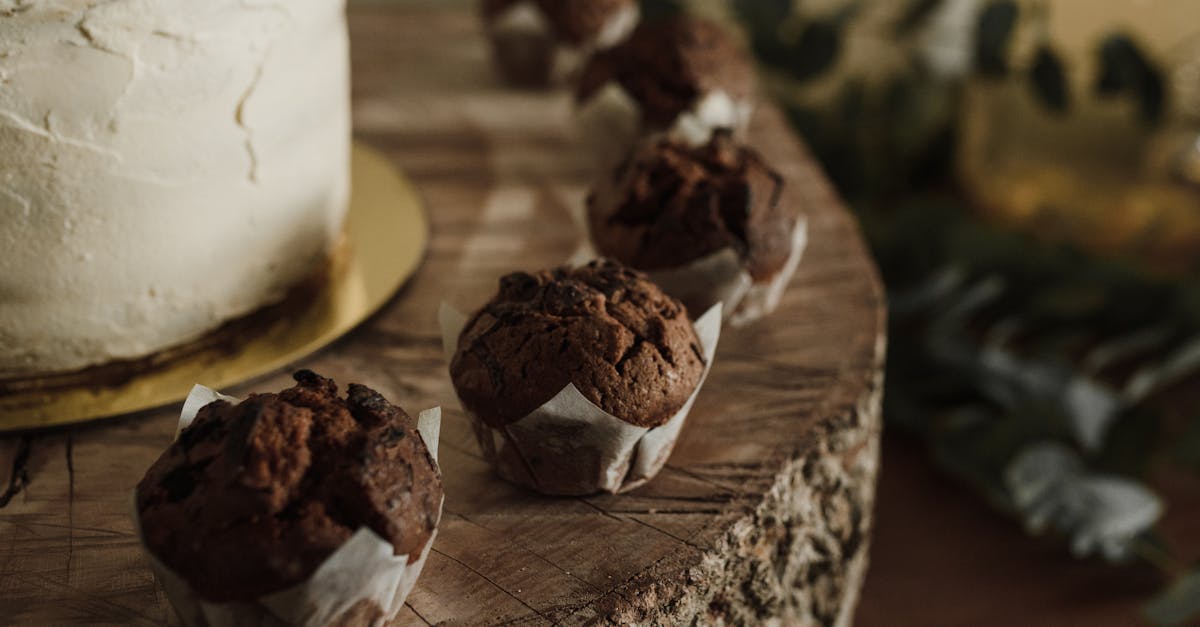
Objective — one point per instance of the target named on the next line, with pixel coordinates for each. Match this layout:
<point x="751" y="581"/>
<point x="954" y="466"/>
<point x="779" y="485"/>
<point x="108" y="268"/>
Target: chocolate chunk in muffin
<point x="252" y="498"/>
<point x="666" y="66"/>
<point x="628" y="347"/>
<point x="671" y="203"/>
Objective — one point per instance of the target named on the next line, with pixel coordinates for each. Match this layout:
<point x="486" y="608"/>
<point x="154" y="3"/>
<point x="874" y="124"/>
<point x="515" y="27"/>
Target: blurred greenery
<point x="1124" y="70"/>
<point x="1034" y="372"/>
<point x="993" y="33"/>
<point x="654" y="9"/>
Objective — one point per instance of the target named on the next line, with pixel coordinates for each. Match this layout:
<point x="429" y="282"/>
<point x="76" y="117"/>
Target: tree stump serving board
<point x="763" y="511"/>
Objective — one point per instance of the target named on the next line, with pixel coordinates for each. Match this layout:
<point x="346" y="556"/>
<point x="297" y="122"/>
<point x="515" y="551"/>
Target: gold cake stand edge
<point x="387" y="234"/>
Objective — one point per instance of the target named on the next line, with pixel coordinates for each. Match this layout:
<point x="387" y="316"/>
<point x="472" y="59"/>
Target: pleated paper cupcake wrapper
<point x="570" y="446"/>
<point x="720" y="278"/>
<point x="610" y="122"/>
<point x="362" y="581"/>
<point x="522" y="36"/>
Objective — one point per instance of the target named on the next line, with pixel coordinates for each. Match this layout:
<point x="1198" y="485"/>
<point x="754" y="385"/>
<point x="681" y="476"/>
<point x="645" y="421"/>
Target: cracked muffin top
<point x="573" y="21"/>
<point x="627" y="346"/>
<point x="251" y="498"/>
<point x="667" y="65"/>
<point x="670" y="204"/>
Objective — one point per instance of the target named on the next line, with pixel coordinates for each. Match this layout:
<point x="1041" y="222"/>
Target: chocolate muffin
<point x="668" y="66"/>
<point x="253" y="497"/>
<point x="628" y="347"/>
<point x="536" y="42"/>
<point x="572" y="21"/>
<point x="670" y="204"/>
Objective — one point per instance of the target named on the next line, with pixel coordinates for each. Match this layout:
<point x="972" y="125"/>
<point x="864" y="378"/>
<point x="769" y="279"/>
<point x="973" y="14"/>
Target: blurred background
<point x="1028" y="175"/>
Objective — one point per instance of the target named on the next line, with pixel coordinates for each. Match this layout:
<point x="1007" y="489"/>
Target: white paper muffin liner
<point x="361" y="571"/>
<point x="522" y="31"/>
<point x="610" y="122"/>
<point x="570" y="446"/>
<point x="721" y="277"/>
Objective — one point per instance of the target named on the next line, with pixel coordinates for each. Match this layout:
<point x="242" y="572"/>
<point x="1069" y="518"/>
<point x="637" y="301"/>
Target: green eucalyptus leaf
<point x="957" y="314"/>
<point x="1183" y="362"/>
<point x="917" y="13"/>
<point x="770" y="49"/>
<point x="919" y="110"/>
<point x="1154" y="549"/>
<point x="998" y="342"/>
<point x="1128" y="345"/>
<point x="816" y="50"/>
<point x="1116" y="73"/>
<point x="1113" y="511"/>
<point x="1049" y="80"/>
<point x="766" y="12"/>
<point x="1120" y="64"/>
<point x="993" y="34"/>
<point x="1091" y="409"/>
<point x="1034" y="475"/>
<point x="1070" y="301"/>
<point x="654" y="9"/>
<point x="921" y="298"/>
<point x="1126" y="70"/>
<point x="763" y="21"/>
<point x="1178" y="604"/>
<point x="1101" y="514"/>
<point x="1151" y="94"/>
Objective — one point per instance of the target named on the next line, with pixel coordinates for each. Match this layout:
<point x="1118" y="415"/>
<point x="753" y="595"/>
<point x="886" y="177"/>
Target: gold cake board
<point x="387" y="232"/>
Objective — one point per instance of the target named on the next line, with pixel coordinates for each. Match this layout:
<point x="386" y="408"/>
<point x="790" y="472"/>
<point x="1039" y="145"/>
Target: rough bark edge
<point x="799" y="558"/>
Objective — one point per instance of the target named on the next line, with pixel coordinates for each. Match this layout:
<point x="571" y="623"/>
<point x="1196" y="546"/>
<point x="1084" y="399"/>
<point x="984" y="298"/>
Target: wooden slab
<point x="763" y="510"/>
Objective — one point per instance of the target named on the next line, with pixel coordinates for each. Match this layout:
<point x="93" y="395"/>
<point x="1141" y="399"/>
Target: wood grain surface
<point x="763" y="510"/>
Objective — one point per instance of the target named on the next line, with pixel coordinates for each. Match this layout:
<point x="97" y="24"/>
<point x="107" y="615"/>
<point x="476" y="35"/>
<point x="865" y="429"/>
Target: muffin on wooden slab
<point x="300" y="507"/>
<point x="684" y="76"/>
<point x="536" y="43"/>
<point x="708" y="223"/>
<point x="578" y="380"/>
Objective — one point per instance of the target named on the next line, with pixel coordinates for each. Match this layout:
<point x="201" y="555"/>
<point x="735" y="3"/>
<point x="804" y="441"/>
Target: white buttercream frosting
<point x="165" y="166"/>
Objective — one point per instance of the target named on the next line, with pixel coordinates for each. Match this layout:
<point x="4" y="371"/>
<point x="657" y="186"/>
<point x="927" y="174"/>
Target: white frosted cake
<point x="165" y="166"/>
